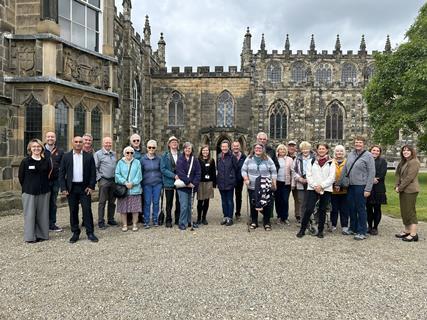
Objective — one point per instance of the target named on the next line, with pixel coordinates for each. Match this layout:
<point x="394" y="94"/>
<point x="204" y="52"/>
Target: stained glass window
<point x="334" y="122"/>
<point x="278" y="121"/>
<point x="61" y="125"/>
<point x="225" y="110"/>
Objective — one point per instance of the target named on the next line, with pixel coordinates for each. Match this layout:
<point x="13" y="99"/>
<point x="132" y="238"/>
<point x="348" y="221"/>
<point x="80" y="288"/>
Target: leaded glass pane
<point x="298" y="72"/>
<point x="61" y="125"/>
<point x="278" y="121"/>
<point x="324" y="74"/>
<point x="33" y="122"/>
<point x="225" y="110"/>
<point x="176" y="110"/>
<point x="272" y="125"/>
<point x="79" y="121"/>
<point x="135" y="105"/>
<point x="334" y="123"/>
<point x="274" y="73"/>
<point x="348" y="73"/>
<point x="96" y="124"/>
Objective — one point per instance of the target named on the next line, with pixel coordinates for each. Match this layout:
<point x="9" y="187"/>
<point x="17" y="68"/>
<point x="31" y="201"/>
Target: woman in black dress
<point x="378" y="194"/>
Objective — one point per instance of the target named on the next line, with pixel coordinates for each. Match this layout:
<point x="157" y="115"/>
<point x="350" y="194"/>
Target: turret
<point x="161" y="51"/>
<point x="312" y="45"/>
<point x="246" y="55"/>
<point x="127" y="9"/>
<point x="287" y="44"/>
<point x="387" y="47"/>
<point x="362" y="50"/>
<point x="147" y="31"/>
<point x="337" y="45"/>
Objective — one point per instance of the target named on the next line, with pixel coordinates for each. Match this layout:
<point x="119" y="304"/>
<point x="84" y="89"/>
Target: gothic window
<point x="278" y="121"/>
<point x="349" y="73"/>
<point x="334" y="122"/>
<point x="135" y="105"/>
<point x="79" y="22"/>
<point x="96" y="124"/>
<point x="369" y="72"/>
<point x="225" y="110"/>
<point x="79" y="121"/>
<point x="33" y="122"/>
<point x="298" y="72"/>
<point x="324" y="74"/>
<point x="274" y="73"/>
<point x="176" y="110"/>
<point x="61" y="125"/>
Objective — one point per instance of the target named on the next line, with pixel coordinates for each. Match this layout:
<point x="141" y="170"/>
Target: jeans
<point x="339" y="207"/>
<point x="227" y="203"/>
<point x="185" y="201"/>
<point x="54" y="189"/>
<point x="282" y="200"/>
<point x="169" y="204"/>
<point x="238" y="194"/>
<point x="357" y="209"/>
<point x="151" y="196"/>
<point x="266" y="211"/>
<point x="310" y="203"/>
<point x="297" y="203"/>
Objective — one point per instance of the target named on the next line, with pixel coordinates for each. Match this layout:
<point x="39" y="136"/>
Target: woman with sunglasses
<point x="33" y="176"/>
<point x="151" y="183"/>
<point x="128" y="173"/>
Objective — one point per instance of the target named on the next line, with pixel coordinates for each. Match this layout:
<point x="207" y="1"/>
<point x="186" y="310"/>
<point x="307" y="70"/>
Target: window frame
<point x="35" y="116"/>
<point x="175" y="104"/>
<point x="339" y="112"/>
<point x="62" y="137"/>
<point x="226" y="106"/>
<point x="296" y="73"/>
<point x="274" y="72"/>
<point x="322" y="70"/>
<point x="278" y="108"/>
<point x="84" y="119"/>
<point x="97" y="139"/>
<point x="353" y="74"/>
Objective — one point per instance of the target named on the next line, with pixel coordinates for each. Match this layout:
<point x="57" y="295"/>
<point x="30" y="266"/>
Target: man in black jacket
<point x="77" y="178"/>
<point x="240" y="159"/>
<point x="54" y="155"/>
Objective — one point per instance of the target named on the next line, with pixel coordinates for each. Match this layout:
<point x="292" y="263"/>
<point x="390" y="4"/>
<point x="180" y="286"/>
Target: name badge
<point x="207" y="164"/>
<point x="207" y="176"/>
<point x="32" y="167"/>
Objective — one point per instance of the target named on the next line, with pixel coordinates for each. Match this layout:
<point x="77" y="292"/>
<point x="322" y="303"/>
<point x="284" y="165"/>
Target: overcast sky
<point x="210" y="32"/>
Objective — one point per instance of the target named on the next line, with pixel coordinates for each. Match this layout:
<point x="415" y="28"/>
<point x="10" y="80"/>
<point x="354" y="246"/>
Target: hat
<point x="292" y="142"/>
<point x="172" y="139"/>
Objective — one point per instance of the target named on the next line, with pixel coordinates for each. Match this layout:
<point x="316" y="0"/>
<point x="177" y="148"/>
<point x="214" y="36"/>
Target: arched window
<point x="79" y="121"/>
<point x="225" y="110"/>
<point x="349" y="73"/>
<point x="298" y="72"/>
<point x="278" y="121"/>
<point x="176" y="110"/>
<point x="369" y="72"/>
<point x="274" y="73"/>
<point x="324" y="74"/>
<point x="61" y="124"/>
<point x="33" y="122"/>
<point x="334" y="122"/>
<point x="96" y="124"/>
<point x="135" y="105"/>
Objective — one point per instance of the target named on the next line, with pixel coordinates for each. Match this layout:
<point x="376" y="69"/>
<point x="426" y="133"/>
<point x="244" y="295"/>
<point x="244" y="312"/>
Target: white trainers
<point x="125" y="228"/>
<point x="134" y="227"/>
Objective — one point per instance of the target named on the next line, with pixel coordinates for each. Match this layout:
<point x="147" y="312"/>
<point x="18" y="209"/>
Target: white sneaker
<point x="125" y="228"/>
<point x="134" y="227"/>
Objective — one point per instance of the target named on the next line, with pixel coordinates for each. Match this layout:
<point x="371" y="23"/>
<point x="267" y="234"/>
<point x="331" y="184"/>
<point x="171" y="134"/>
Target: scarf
<point x="322" y="161"/>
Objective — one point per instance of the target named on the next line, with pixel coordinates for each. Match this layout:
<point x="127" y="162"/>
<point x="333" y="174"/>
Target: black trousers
<point x="238" y="194"/>
<point x="169" y="193"/>
<point x="266" y="211"/>
<point x="374" y="215"/>
<point x="202" y="209"/>
<point x="78" y="196"/>
<point x="311" y="198"/>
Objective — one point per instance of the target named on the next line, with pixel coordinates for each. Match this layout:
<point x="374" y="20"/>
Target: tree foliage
<point x="397" y="93"/>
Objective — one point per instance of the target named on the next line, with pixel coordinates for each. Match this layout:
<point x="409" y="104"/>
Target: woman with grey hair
<point x="128" y="173"/>
<point x="34" y="173"/>
<point x="152" y="183"/>
<point x="339" y="194"/>
<point x="189" y="172"/>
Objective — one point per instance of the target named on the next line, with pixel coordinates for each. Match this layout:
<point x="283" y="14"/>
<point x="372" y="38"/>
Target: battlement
<point x="299" y="54"/>
<point x="202" y="71"/>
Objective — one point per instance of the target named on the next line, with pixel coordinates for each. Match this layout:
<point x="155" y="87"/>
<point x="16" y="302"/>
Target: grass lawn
<point x="392" y="208"/>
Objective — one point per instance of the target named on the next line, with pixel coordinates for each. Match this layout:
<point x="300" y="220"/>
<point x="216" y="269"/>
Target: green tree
<point x="397" y="93"/>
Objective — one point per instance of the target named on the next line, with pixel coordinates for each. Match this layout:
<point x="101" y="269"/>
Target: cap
<point x="172" y="139"/>
<point x="292" y="142"/>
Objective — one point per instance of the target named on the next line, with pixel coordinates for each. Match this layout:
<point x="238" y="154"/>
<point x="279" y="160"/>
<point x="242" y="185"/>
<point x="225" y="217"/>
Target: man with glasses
<point x="135" y="143"/>
<point x="105" y="163"/>
<point x="77" y="178"/>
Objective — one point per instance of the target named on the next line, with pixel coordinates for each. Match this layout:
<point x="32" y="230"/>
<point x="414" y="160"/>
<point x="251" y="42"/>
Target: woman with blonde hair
<point x="407" y="187"/>
<point x="128" y="173"/>
<point x="34" y="172"/>
<point x="284" y="184"/>
<point x="339" y="194"/>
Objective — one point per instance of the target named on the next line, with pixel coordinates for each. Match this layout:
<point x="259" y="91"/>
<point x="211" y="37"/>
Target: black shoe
<point x="40" y="240"/>
<point x="189" y="225"/>
<point x="199" y="222"/>
<point x="320" y="235"/>
<point x="374" y="232"/>
<point x="224" y="221"/>
<point x="205" y="222"/>
<point x="401" y="235"/>
<point x="229" y="222"/>
<point x="92" y="237"/>
<point x="238" y="216"/>
<point x="168" y="224"/>
<point x="195" y="225"/>
<point x="102" y="226"/>
<point x="410" y="238"/>
<point x="113" y="223"/>
<point x="300" y="234"/>
<point x="74" y="238"/>
<point x="176" y="223"/>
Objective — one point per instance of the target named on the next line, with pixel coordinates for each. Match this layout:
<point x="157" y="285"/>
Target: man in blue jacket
<point x="168" y="169"/>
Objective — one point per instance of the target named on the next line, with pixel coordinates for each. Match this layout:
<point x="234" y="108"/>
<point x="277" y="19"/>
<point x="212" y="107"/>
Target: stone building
<point x="75" y="66"/>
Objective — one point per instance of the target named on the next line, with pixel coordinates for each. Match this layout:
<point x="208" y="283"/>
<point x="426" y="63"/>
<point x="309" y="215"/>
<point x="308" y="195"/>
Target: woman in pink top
<point x="284" y="184"/>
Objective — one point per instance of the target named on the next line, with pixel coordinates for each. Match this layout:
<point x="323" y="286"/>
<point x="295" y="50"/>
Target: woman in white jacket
<point x="320" y="179"/>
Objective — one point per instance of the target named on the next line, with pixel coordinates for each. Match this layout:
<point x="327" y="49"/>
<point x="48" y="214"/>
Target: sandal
<point x="267" y="227"/>
<point x="253" y="226"/>
<point x="402" y="235"/>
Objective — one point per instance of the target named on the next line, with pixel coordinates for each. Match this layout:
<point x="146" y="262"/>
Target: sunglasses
<point x="135" y="140"/>
<point x="129" y="152"/>
<point x="151" y="147"/>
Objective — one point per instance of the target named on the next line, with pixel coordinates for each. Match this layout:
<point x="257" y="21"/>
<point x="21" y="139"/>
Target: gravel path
<point x="215" y="272"/>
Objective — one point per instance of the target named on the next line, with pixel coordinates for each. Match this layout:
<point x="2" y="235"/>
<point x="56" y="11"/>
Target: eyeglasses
<point x="135" y="140"/>
<point x="129" y="152"/>
<point x="151" y="148"/>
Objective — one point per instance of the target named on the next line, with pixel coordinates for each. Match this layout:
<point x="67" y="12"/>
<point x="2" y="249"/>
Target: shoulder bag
<point x="345" y="181"/>
<point x="179" y="183"/>
<point x="120" y="190"/>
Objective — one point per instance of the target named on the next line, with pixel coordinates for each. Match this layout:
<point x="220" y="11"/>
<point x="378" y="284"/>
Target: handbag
<point x="345" y="181"/>
<point x="179" y="183"/>
<point x="120" y="190"/>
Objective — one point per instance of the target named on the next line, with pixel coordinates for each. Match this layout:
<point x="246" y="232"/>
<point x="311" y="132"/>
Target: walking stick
<point x="248" y="210"/>
<point x="191" y="217"/>
<point x="161" y="217"/>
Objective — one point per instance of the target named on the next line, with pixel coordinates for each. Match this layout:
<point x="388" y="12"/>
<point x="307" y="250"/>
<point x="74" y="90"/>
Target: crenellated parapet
<point x="202" y="72"/>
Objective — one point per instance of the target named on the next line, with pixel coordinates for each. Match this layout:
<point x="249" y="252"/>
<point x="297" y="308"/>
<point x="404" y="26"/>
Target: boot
<point x="204" y="221"/>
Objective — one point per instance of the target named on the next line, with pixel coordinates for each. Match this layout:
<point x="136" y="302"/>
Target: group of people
<point x="353" y="185"/>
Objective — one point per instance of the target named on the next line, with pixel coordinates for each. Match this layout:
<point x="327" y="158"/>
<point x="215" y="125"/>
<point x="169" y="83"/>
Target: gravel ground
<point x="215" y="272"/>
